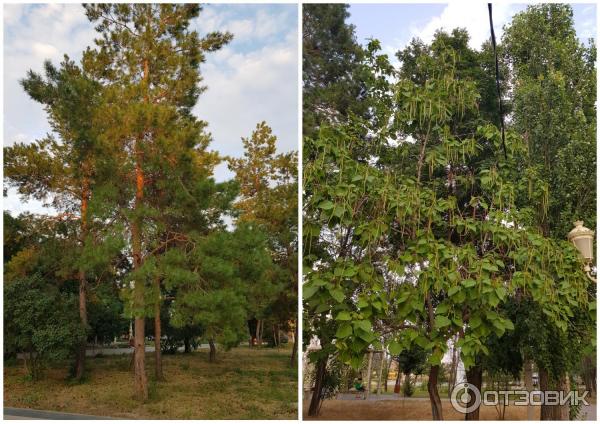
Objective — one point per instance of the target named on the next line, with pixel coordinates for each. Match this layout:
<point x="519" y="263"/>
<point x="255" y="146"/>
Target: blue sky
<point x="396" y="24"/>
<point x="252" y="79"/>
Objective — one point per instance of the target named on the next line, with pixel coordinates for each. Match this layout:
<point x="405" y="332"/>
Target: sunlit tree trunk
<point x="140" y="379"/>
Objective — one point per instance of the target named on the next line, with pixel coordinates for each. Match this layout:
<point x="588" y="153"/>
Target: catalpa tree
<point x="424" y="242"/>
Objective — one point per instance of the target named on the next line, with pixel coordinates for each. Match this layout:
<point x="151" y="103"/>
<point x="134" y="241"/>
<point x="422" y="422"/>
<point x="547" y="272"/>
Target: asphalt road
<point x="34" y="414"/>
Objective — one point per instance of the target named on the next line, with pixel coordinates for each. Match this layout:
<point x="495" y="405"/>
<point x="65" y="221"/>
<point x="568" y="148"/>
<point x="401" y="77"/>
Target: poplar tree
<point x="553" y="94"/>
<point x="147" y="59"/>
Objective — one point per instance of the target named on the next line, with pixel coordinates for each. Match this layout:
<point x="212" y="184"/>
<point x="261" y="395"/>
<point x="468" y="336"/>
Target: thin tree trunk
<point x="528" y="377"/>
<point x="434" y="396"/>
<point x="212" y="357"/>
<point x="474" y="377"/>
<point x="381" y="360"/>
<point x="453" y="368"/>
<point x="315" y="401"/>
<point x="369" y="372"/>
<point x="387" y="373"/>
<point x="140" y="379"/>
<point x="293" y="360"/>
<point x="80" y="359"/>
<point x="398" y="377"/>
<point x="158" y="371"/>
<point x="187" y="346"/>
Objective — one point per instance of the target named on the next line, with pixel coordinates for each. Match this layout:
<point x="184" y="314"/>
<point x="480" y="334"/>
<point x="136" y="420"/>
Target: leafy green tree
<point x="422" y="252"/>
<point x="553" y="94"/>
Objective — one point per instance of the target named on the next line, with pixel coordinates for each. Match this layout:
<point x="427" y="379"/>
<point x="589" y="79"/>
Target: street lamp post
<point x="583" y="239"/>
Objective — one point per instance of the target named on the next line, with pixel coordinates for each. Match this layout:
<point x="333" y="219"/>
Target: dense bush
<point x="40" y="322"/>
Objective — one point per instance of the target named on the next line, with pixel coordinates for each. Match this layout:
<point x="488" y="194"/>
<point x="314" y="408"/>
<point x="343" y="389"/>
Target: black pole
<point x="497" y="79"/>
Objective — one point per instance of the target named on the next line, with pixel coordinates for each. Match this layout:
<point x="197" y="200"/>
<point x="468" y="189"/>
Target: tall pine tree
<point x="148" y="60"/>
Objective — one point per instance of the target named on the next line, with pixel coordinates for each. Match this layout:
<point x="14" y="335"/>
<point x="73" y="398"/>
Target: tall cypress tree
<point x="148" y="60"/>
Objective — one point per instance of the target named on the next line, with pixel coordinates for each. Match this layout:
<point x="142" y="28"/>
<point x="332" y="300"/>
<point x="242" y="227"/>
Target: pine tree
<point x="148" y="60"/>
<point x="62" y="172"/>
<point x="269" y="198"/>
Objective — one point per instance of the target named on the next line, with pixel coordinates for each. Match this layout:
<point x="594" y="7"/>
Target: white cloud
<point x="32" y="34"/>
<point x="473" y="17"/>
<point x="252" y="79"/>
<point x="246" y="88"/>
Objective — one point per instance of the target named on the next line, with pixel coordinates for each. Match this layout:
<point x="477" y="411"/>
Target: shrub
<point x="40" y="322"/>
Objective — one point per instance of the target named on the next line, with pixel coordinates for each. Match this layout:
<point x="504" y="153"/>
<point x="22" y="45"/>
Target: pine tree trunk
<point x="158" y="371"/>
<point x="434" y="396"/>
<point x="474" y="377"/>
<point x="187" y="345"/>
<point x="213" y="351"/>
<point x="80" y="359"/>
<point x="315" y="401"/>
<point x="140" y="380"/>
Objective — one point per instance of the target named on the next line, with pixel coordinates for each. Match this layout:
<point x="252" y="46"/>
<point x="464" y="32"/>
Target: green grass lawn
<point x="243" y="384"/>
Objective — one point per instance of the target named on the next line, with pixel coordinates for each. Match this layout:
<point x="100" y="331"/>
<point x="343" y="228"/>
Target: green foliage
<point x="553" y="96"/>
<point x="331" y="60"/>
<point x="39" y="321"/>
<point x="217" y="288"/>
<point x="421" y="236"/>
<point x="408" y="388"/>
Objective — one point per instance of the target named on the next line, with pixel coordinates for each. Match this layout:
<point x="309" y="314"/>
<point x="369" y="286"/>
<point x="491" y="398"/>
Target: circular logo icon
<point x="462" y="394"/>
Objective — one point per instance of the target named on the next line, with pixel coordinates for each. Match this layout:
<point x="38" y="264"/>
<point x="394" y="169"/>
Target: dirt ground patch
<point x="414" y="410"/>
<point x="243" y="384"/>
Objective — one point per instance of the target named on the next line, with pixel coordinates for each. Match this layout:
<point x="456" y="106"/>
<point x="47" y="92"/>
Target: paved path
<point x="127" y="350"/>
<point x="34" y="414"/>
<point x="375" y="397"/>
<point x="93" y="351"/>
